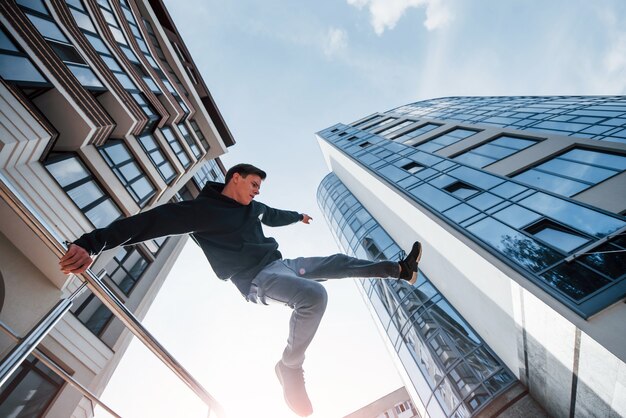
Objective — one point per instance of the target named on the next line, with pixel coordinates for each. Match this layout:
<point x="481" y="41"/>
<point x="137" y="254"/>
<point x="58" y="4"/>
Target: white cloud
<point x="386" y="13"/>
<point x="335" y="41"/>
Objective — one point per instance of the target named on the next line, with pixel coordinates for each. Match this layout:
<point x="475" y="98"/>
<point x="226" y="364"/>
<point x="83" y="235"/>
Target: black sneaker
<point x="292" y="381"/>
<point x="408" y="264"/>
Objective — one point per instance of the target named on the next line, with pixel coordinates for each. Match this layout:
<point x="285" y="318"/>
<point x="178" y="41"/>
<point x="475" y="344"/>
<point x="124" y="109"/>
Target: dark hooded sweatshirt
<point x="229" y="233"/>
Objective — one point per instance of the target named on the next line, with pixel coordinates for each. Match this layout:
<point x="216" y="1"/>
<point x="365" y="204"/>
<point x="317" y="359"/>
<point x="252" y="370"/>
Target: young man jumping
<point x="226" y="222"/>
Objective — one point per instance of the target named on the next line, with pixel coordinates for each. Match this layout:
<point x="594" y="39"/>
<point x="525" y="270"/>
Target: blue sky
<point x="282" y="70"/>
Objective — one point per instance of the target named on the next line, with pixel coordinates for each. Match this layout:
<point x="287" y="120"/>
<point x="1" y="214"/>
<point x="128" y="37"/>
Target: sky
<point x="282" y="70"/>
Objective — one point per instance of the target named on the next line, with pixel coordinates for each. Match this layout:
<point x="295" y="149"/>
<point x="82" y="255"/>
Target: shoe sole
<point x="282" y="384"/>
<point x="417" y="260"/>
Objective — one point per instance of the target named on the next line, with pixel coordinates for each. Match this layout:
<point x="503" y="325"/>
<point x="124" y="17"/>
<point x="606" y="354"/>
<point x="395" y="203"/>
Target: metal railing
<point x="101" y="291"/>
<point x="51" y="364"/>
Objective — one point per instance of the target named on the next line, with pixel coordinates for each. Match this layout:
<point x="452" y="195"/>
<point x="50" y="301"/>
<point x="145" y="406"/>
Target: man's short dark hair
<point x="244" y="170"/>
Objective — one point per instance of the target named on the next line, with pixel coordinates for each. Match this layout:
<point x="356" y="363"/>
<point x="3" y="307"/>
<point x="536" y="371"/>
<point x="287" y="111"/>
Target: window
<point x="461" y="189"/>
<point x="84" y="21"/>
<point x="181" y="154"/>
<point x="15" y="66"/>
<point x="414" y="133"/>
<point x="82" y="188"/>
<point x="123" y="164"/>
<point x="395" y="128"/>
<point x="158" y="244"/>
<point x="365" y="144"/>
<point x="126" y="268"/>
<point x="378" y="124"/>
<point x="30" y="390"/>
<point x="557" y="236"/>
<point x="494" y="150"/>
<point x="92" y="313"/>
<point x="199" y="134"/>
<point x="574" y="171"/>
<point x="39" y="16"/>
<point x="184" y="193"/>
<point x="413" y="167"/>
<point x="162" y="164"/>
<point x="443" y="140"/>
<point x="210" y="171"/>
<point x="189" y="140"/>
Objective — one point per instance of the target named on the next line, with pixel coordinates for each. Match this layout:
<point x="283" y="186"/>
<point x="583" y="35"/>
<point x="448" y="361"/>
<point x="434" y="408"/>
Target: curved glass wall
<point x="595" y="117"/>
<point x="450" y="366"/>
<point x="571" y="250"/>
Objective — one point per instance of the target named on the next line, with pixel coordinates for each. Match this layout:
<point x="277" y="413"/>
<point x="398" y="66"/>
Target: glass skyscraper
<point x="519" y="202"/>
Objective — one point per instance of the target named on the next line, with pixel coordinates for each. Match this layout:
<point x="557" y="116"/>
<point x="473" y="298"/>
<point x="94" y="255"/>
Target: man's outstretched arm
<point x="279" y="217"/>
<point x="164" y="220"/>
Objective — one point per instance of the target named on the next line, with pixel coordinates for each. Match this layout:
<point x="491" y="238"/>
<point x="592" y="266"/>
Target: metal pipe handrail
<point x="19" y="353"/>
<point x="108" y="298"/>
<point x="60" y="371"/>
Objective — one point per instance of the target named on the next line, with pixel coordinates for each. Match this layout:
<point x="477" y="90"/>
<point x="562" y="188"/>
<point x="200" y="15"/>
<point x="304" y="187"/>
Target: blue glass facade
<point x="453" y="371"/>
<point x="572" y="250"/>
<point x="596" y="117"/>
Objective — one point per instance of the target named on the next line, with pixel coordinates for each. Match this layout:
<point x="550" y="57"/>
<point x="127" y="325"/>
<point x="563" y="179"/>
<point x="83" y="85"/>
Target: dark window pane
<point x="96" y="322"/>
<point x="607" y="260"/>
<point x="67" y="53"/>
<point x="498" y="381"/>
<point x="412" y="167"/>
<point x="574" y="280"/>
<point x="30" y="395"/>
<point x="461" y="190"/>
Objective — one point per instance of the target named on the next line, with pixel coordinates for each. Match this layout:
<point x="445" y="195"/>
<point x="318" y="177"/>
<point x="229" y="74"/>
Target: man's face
<point x="246" y="188"/>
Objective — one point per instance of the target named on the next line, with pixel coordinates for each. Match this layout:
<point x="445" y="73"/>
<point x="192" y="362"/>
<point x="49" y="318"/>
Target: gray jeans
<point x="295" y="283"/>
